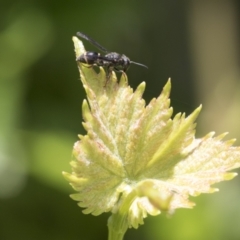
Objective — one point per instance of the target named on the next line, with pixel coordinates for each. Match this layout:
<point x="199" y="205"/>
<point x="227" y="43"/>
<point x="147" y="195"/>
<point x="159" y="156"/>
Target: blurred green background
<point x="196" y="43"/>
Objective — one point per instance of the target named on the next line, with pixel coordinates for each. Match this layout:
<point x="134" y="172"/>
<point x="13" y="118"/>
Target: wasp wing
<point x="93" y="42"/>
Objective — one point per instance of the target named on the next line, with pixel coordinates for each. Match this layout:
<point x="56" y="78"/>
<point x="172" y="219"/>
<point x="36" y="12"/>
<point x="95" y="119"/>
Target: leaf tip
<point x="230" y="176"/>
<point x="167" y="87"/>
<point x="78" y="46"/>
<point x="141" y="87"/>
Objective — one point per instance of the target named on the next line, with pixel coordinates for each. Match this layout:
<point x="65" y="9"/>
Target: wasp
<point x="111" y="60"/>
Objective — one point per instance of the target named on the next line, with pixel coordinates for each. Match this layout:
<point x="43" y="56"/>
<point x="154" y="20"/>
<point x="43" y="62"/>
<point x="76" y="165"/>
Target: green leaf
<point x="136" y="159"/>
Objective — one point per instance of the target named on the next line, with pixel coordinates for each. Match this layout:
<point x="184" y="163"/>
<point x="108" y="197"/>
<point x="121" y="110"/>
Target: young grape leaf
<point x="137" y="159"/>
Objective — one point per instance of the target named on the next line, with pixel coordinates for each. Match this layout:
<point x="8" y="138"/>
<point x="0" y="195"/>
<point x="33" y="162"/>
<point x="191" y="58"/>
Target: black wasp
<point x="112" y="60"/>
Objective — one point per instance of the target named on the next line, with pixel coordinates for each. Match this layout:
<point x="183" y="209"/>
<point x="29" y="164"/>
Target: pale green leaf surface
<point x="142" y="150"/>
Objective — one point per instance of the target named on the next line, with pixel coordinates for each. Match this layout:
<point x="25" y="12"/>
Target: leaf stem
<point x="118" y="222"/>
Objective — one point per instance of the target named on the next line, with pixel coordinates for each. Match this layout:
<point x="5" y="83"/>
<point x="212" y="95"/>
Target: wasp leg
<point x="123" y="73"/>
<point x="108" y="75"/>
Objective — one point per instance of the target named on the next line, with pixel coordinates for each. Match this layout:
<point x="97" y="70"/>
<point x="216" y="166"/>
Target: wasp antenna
<point x="139" y="64"/>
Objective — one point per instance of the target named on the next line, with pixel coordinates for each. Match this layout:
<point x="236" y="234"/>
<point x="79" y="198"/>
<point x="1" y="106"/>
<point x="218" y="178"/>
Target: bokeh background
<point x="196" y="43"/>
